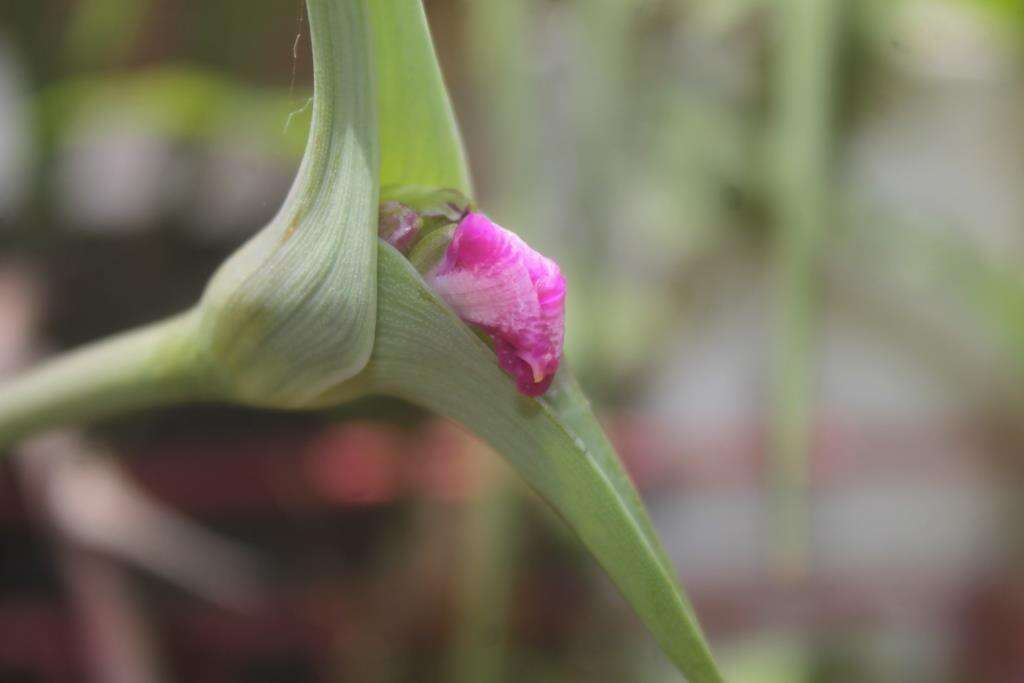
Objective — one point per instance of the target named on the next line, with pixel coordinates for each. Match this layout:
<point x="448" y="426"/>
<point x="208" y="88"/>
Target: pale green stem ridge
<point x="343" y="108"/>
<point x="151" y="366"/>
<point x="488" y="560"/>
<point x="291" y="313"/>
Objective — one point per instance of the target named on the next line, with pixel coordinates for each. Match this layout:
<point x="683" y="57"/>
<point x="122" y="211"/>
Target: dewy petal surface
<point x="493" y="279"/>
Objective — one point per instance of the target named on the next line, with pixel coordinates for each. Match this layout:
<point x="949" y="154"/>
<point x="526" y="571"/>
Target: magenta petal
<point x="495" y="280"/>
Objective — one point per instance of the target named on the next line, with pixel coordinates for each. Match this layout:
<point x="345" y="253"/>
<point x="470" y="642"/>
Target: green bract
<point x="314" y="311"/>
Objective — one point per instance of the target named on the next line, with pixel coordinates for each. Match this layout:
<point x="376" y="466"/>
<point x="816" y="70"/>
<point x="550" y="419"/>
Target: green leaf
<point x="426" y="355"/>
<point x="420" y="142"/>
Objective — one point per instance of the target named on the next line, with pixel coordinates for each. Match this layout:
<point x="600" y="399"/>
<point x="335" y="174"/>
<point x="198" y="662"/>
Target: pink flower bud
<point x="496" y="281"/>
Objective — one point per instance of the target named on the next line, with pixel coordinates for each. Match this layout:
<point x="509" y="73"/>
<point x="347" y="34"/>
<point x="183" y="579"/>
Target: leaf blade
<point x="427" y="356"/>
<point x="419" y="137"/>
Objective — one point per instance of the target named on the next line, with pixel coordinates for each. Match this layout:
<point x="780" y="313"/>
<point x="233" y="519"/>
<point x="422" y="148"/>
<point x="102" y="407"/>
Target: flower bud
<point x="398" y="225"/>
<point x="494" y="280"/>
<point x="436" y="208"/>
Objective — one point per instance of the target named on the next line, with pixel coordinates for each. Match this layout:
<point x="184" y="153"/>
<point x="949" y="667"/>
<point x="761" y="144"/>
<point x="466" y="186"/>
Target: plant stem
<point x="806" y="57"/>
<point x="343" y="126"/>
<point x="601" y="119"/>
<point x="150" y="366"/>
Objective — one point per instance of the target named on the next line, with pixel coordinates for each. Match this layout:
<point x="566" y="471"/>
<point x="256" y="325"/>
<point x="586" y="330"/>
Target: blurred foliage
<point x="180" y="103"/>
<point x="1011" y="11"/>
<point x="102" y="32"/>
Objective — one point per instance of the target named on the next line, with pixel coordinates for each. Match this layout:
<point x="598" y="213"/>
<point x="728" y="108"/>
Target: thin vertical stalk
<point x="808" y="35"/>
<point x="119" y="640"/>
<point x="488" y="564"/>
<point x="499" y="37"/>
<point x="602" y="95"/>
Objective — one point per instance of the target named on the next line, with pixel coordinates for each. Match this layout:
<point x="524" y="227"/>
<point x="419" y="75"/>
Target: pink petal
<point x="496" y="281"/>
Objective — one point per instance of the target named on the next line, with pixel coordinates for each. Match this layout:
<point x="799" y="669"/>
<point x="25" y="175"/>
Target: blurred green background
<point x="793" y="236"/>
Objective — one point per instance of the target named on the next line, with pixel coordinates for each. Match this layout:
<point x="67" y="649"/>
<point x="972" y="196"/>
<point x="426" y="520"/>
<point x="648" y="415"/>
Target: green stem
<point x="808" y="30"/>
<point x="151" y="366"/>
<point x="343" y="114"/>
<point x="602" y="119"/>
